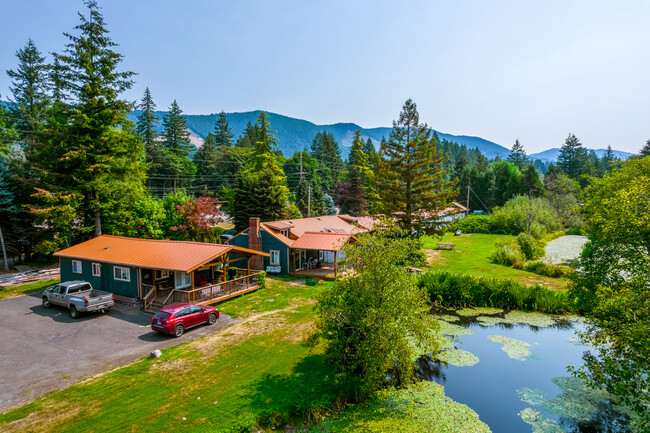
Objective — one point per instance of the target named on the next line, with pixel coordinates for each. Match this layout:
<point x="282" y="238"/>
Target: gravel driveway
<point x="45" y="349"/>
<point x="565" y="248"/>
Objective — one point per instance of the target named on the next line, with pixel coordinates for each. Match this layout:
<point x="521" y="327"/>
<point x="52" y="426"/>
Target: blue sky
<point x="501" y="70"/>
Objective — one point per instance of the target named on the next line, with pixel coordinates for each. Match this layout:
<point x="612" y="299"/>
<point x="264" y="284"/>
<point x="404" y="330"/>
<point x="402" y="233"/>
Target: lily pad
<point x="458" y="358"/>
<point x="448" y="318"/>
<point x="534" y="319"/>
<point x="478" y="311"/>
<point x="516" y="349"/>
<point x="539" y="422"/>
<point x="447" y="328"/>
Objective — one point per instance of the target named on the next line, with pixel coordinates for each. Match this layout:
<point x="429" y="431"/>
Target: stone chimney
<point x="255" y="243"/>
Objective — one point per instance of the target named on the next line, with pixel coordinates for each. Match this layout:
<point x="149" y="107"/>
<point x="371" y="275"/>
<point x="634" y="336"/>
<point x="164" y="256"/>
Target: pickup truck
<point x="77" y="296"/>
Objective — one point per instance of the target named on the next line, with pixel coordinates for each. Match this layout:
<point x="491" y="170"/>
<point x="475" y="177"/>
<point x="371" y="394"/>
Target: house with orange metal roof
<point x="303" y="246"/>
<point x="160" y="272"/>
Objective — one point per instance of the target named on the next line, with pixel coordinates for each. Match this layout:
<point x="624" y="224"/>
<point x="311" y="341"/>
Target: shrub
<point x="310" y="281"/>
<point x="508" y="253"/>
<point x="515" y="215"/>
<point x="261" y="280"/>
<point x="455" y="290"/>
<point x="548" y="270"/>
<point x="473" y="224"/>
<point x="529" y="247"/>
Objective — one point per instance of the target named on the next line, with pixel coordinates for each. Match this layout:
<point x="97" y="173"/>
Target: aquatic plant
<point x="478" y="311"/>
<point x="458" y="358"/>
<point x="447" y="328"/>
<point x="539" y="422"/>
<point x="516" y="349"/>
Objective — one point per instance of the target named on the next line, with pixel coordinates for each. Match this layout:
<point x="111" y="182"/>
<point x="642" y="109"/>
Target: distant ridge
<point x="551" y="155"/>
<point x="297" y="134"/>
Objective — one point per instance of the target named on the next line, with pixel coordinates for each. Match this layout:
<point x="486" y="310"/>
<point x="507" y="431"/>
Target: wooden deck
<point x="210" y="294"/>
<point x="326" y="272"/>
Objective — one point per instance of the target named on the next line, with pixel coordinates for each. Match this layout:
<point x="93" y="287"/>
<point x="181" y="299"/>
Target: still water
<point x="496" y="387"/>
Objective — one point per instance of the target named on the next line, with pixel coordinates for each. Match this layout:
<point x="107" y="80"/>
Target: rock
<point x="156" y="354"/>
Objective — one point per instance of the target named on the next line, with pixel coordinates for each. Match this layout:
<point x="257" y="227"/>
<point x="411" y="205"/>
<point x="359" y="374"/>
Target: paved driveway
<point x="45" y="349"/>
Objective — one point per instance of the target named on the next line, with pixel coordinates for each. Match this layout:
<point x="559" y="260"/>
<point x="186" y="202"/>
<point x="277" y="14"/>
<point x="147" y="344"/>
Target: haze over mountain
<point x="551" y="154"/>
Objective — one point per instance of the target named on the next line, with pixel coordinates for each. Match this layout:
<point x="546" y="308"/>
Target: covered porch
<point x="317" y="254"/>
<point x="208" y="283"/>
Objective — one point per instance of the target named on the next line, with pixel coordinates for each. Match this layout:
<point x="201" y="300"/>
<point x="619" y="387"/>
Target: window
<point x="121" y="274"/>
<point x="76" y="266"/>
<point x="274" y="257"/>
<point x="161" y="275"/>
<point x="97" y="270"/>
<point x="194" y="310"/>
<point x="284" y="233"/>
<point x="181" y="279"/>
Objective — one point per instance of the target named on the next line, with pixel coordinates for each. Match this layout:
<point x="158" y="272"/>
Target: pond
<point x="514" y="375"/>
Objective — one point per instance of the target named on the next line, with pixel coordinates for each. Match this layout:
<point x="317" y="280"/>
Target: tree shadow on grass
<point x="311" y="391"/>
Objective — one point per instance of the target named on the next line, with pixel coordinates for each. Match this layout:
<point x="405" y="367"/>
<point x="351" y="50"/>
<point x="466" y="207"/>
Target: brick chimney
<point x="255" y="242"/>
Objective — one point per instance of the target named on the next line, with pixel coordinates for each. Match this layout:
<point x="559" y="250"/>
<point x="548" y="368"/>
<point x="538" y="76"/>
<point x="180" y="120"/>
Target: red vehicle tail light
<point x="86" y="302"/>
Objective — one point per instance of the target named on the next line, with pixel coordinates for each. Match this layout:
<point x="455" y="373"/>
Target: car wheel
<point x="212" y="318"/>
<point x="46" y="303"/>
<point x="178" y="330"/>
<point x="74" y="312"/>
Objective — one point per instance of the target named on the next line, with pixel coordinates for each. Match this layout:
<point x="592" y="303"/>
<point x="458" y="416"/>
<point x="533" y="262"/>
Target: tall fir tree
<point x="177" y="164"/>
<point x="352" y="197"/>
<point x="89" y="160"/>
<point x="29" y="87"/>
<point x="506" y="182"/>
<point x="325" y="149"/>
<point x="411" y="177"/>
<point x="529" y="183"/>
<point x="57" y="82"/>
<point x="608" y="161"/>
<point x="518" y="156"/>
<point x="147" y="121"/>
<point x="250" y="136"/>
<point x="222" y="134"/>
<point x="573" y="157"/>
<point x="260" y="188"/>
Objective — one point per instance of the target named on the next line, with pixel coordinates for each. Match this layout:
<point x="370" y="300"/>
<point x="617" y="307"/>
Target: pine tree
<point x="206" y="160"/>
<point x="530" y="184"/>
<point x="573" y="158"/>
<point x="645" y="151"/>
<point x="57" y="82"/>
<point x="326" y="150"/>
<point x="506" y="182"/>
<point x="250" y="136"/>
<point x="260" y="188"/>
<point x="7" y="134"/>
<point x="90" y="162"/>
<point x="146" y="123"/>
<point x="352" y="197"/>
<point x="177" y="147"/>
<point x="411" y="178"/>
<point x="608" y="161"/>
<point x="518" y="156"/>
<point x="30" y="91"/>
<point x="222" y="135"/>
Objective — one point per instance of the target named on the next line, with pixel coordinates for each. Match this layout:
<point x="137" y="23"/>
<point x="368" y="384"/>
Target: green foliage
<point x="146" y="124"/>
<point x="533" y="216"/>
<point x="508" y="253"/>
<point x="376" y="321"/>
<point x="541" y="268"/>
<point x="564" y="195"/>
<point x="474" y="224"/>
<point x="176" y="165"/>
<point x="325" y="149"/>
<point x="529" y="246"/>
<point x="417" y="408"/>
<point x="351" y="196"/>
<point x="310" y="203"/>
<point x="25" y="289"/>
<point x="506" y="182"/>
<point x="645" y="151"/>
<point x="455" y="290"/>
<point x="411" y="182"/>
<point x="518" y="156"/>
<point x="573" y="158"/>
<point x="612" y="285"/>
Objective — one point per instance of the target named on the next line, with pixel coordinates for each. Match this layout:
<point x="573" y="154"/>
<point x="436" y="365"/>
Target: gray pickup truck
<point x="77" y="296"/>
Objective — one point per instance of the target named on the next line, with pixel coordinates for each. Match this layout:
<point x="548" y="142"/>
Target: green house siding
<point x="268" y="243"/>
<point x="106" y="281"/>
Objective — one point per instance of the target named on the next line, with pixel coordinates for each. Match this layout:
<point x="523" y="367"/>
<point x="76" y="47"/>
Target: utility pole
<point x="301" y="172"/>
<point x="309" y="202"/>
<point x="468" y="189"/>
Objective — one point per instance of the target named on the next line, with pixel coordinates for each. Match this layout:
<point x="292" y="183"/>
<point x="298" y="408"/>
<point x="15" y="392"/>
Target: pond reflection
<point x="515" y="395"/>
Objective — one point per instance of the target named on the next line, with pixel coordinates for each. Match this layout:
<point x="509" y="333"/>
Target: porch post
<point x="223" y="268"/>
<point x="336" y="266"/>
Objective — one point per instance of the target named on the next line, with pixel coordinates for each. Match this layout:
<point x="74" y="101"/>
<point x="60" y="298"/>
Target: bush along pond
<point x="511" y="368"/>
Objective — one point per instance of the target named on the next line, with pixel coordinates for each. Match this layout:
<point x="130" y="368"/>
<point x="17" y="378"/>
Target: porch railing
<point x="150" y="296"/>
<point x="213" y="292"/>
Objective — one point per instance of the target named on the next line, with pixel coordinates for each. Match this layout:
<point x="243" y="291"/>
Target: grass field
<point x="471" y="256"/>
<point x="254" y="373"/>
<point x="25" y="289"/>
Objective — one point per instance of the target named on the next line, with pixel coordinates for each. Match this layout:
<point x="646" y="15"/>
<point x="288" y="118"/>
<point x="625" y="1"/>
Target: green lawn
<point x="256" y="372"/>
<point x="472" y="256"/>
<point x="25" y="289"/>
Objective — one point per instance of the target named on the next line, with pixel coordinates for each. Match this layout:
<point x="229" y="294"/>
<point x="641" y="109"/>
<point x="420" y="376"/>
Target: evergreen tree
<point x="506" y="182"/>
<point x="573" y="158"/>
<point x="608" y="161"/>
<point x="260" y="188"/>
<point x="57" y="82"/>
<point x="29" y="87"/>
<point x="206" y="160"/>
<point x="530" y="184"/>
<point x="518" y="156"/>
<point x="177" y="147"/>
<point x="222" y="135"/>
<point x="249" y="137"/>
<point x="7" y="134"/>
<point x="352" y="193"/>
<point x="410" y="181"/>
<point x="645" y="151"/>
<point x="146" y="123"/>
<point x="89" y="161"/>
<point x="326" y="150"/>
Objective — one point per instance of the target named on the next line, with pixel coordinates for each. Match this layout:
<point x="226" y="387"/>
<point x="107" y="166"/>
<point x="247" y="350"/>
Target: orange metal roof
<point x="322" y="241"/>
<point x="150" y="253"/>
<point x="323" y="224"/>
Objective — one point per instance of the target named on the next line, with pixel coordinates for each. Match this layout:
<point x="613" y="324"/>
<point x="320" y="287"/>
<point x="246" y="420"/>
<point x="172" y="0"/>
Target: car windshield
<point x="162" y="315"/>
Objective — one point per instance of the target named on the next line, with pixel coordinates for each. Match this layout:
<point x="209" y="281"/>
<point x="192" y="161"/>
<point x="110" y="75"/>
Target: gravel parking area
<point x="565" y="248"/>
<point x="45" y="349"/>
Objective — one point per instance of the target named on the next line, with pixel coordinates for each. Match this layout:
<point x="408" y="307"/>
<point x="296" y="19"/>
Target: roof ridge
<point x="164" y="240"/>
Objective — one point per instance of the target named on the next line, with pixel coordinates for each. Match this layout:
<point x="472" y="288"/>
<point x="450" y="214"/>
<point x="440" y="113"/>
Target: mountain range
<point x="552" y="154"/>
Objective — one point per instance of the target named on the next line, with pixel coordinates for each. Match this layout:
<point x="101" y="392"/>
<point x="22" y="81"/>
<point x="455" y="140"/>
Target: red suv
<point x="176" y="318"/>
